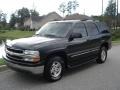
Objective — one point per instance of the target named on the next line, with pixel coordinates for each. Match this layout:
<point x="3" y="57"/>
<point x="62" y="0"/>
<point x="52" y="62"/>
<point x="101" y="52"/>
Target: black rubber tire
<point x="99" y="60"/>
<point x="47" y="73"/>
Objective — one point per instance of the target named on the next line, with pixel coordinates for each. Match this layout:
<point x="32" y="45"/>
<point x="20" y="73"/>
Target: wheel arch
<point x="60" y="54"/>
<point x="105" y="44"/>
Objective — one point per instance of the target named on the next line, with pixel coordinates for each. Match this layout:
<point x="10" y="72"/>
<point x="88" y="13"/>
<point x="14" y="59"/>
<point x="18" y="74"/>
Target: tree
<point x="118" y="19"/>
<point x="100" y="18"/>
<point x="111" y="9"/>
<point x="62" y="8"/>
<point x="1" y="15"/>
<point x="22" y="14"/>
<point x="3" y="22"/>
<point x="75" y="5"/>
<point x="110" y="13"/>
<point x="13" y="20"/>
<point x="34" y="13"/>
<point x="69" y="7"/>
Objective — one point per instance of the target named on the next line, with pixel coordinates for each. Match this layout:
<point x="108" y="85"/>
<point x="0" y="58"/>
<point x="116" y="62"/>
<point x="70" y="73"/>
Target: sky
<point x="89" y="7"/>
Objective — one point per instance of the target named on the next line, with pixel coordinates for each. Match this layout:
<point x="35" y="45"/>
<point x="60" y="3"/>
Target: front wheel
<point x="54" y="69"/>
<point x="102" y="56"/>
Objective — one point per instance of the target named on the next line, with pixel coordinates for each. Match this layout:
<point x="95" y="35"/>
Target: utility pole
<point x="102" y="7"/>
<point x="102" y="11"/>
<point x="115" y="17"/>
<point x="84" y="12"/>
<point x="117" y="13"/>
<point x="34" y="5"/>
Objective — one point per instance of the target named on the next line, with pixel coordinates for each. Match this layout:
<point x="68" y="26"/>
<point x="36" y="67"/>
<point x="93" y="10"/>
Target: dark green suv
<point x="59" y="45"/>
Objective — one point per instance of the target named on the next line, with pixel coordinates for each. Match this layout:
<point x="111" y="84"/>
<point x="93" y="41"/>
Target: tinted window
<point x="91" y="29"/>
<point x="102" y="26"/>
<point x="80" y="28"/>
<point x="59" y="29"/>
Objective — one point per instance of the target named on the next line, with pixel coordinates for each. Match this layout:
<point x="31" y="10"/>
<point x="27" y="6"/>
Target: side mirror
<point x="105" y="31"/>
<point x="75" y="35"/>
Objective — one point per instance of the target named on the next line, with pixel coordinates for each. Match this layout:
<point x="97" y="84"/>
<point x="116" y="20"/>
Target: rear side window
<point x="80" y="28"/>
<point x="102" y="26"/>
<point x="91" y="29"/>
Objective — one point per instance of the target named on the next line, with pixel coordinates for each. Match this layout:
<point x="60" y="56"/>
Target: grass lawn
<point x="14" y="34"/>
<point x="116" y="41"/>
<point x="2" y="62"/>
<point x="116" y="35"/>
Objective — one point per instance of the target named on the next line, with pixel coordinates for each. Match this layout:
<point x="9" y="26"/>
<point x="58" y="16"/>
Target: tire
<point x="102" y="56"/>
<point x="54" y="68"/>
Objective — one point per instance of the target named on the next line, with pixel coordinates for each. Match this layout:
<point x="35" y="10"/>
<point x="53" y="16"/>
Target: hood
<point x="29" y="43"/>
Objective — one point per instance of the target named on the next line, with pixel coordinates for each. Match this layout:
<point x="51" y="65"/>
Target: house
<point x="32" y="22"/>
<point x="77" y="16"/>
<point x="36" y="22"/>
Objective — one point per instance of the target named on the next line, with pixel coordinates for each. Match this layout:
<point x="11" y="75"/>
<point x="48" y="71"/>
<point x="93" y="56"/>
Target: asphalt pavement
<point x="91" y="76"/>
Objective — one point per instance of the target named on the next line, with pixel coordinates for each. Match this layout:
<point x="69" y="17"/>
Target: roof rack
<point x="90" y="20"/>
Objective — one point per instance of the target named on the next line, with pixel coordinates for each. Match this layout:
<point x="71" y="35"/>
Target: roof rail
<point x="90" y="20"/>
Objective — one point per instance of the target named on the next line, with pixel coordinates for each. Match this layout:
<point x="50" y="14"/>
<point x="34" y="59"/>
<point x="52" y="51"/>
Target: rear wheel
<point x="102" y="56"/>
<point x="54" y="69"/>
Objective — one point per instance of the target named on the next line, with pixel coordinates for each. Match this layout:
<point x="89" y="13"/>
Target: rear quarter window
<point x="102" y="27"/>
<point x="91" y="28"/>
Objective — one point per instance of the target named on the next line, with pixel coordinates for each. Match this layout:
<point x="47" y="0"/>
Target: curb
<point x="3" y="67"/>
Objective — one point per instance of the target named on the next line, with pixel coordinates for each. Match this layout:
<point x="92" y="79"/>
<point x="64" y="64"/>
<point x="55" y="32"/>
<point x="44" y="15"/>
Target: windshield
<point x="57" y="29"/>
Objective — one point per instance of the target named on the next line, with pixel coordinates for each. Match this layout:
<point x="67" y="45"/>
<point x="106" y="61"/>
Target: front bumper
<point x="17" y="67"/>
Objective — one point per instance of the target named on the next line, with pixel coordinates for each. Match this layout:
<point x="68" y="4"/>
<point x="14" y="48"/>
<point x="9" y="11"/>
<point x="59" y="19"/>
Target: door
<point x="77" y="46"/>
<point x="93" y="40"/>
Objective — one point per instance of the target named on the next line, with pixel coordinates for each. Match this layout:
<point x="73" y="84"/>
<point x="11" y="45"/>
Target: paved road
<point x="88" y="77"/>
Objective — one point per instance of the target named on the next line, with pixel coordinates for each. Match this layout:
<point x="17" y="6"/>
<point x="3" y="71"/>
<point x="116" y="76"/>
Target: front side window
<point x="56" y="29"/>
<point x="80" y="28"/>
<point x="91" y="29"/>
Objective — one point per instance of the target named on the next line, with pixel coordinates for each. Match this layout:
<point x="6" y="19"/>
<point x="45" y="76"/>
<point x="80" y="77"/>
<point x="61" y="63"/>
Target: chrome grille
<point x="14" y="50"/>
<point x="14" y="54"/>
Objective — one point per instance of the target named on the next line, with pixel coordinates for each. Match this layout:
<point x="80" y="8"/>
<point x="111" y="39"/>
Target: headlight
<point x="29" y="52"/>
<point x="31" y="56"/>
